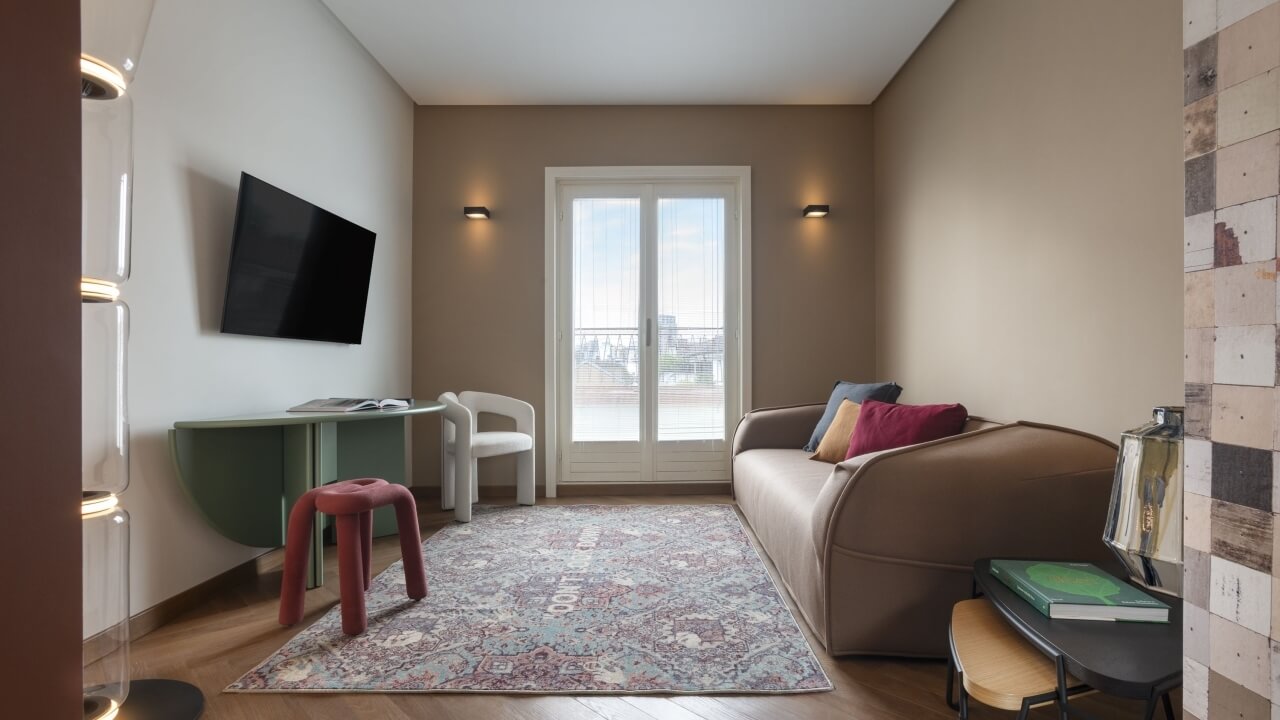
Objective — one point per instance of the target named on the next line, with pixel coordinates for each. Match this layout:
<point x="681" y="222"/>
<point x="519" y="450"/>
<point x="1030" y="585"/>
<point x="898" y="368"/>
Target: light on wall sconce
<point x="816" y="211"/>
<point x="476" y="212"/>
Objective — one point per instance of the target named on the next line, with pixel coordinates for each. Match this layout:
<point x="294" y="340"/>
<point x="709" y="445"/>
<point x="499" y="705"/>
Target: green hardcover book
<point x="1078" y="591"/>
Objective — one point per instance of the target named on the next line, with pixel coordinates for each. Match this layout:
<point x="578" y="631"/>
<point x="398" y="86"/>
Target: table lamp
<point x="1144" y="523"/>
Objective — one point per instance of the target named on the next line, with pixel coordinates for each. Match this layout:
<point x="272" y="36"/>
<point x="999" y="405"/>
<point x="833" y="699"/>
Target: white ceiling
<point x="616" y="52"/>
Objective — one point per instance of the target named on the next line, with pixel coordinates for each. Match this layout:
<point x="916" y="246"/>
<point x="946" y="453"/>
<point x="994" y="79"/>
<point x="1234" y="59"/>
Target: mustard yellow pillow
<point x="835" y="444"/>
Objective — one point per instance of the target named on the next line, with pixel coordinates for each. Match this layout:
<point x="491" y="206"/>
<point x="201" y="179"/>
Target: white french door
<point x="648" y="313"/>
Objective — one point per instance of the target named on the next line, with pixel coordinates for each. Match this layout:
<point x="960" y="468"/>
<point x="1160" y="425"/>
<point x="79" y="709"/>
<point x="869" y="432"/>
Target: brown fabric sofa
<point x="875" y="550"/>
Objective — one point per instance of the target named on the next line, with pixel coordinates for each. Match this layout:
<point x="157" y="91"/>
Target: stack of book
<point x="1078" y="591"/>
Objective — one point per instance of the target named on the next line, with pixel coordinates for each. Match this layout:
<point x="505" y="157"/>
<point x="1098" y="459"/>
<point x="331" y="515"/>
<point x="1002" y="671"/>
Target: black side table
<point x="1141" y="661"/>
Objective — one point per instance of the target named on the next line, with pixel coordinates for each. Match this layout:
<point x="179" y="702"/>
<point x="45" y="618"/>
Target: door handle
<point x="648" y="332"/>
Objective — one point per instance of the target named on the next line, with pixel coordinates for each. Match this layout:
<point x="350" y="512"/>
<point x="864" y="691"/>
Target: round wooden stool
<point x="352" y="502"/>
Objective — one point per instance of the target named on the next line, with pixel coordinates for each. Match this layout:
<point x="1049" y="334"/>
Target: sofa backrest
<point x="979" y="423"/>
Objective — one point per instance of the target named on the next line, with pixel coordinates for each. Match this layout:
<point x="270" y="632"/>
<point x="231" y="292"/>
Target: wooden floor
<point x="214" y="645"/>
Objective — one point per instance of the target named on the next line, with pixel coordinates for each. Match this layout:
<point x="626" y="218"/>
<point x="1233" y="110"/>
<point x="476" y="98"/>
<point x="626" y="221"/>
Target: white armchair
<point x="462" y="445"/>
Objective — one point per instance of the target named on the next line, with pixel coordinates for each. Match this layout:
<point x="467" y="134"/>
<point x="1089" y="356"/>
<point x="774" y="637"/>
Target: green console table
<point x="244" y="473"/>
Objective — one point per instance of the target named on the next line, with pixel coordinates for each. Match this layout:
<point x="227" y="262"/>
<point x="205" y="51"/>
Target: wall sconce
<point x="816" y="211"/>
<point x="476" y="212"/>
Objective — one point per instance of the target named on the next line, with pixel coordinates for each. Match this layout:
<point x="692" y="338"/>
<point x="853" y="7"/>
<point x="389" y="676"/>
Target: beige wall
<point x="211" y="100"/>
<point x="1028" y="194"/>
<point x="478" y="286"/>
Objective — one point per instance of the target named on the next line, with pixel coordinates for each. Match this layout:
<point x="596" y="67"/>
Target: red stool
<point x="352" y="502"/>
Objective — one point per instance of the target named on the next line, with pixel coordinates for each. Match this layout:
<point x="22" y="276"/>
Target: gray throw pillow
<point x="853" y="392"/>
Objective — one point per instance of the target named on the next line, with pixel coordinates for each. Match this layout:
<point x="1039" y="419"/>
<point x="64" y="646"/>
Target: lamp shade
<point x="476" y="212"/>
<point x="816" y="211"/>
<point x="111" y="35"/>
<point x="105" y="606"/>
<point x="104" y="428"/>
<point x="106" y="168"/>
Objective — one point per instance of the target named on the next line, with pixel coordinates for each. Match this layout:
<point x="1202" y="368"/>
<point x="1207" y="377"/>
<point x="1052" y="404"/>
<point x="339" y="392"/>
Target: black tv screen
<point x="297" y="270"/>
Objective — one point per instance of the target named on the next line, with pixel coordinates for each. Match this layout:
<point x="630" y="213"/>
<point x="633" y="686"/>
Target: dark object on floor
<point x="162" y="700"/>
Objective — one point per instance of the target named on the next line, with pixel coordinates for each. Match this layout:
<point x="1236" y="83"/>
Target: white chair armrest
<point x="518" y="410"/>
<point x="458" y="424"/>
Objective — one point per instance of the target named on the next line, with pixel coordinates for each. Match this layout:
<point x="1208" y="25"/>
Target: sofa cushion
<point x="884" y="426"/>
<point x="853" y="392"/>
<point x="835" y="443"/>
<point x="776" y="491"/>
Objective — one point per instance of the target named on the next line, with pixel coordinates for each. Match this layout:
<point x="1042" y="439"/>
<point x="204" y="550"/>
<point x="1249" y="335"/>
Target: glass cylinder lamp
<point x="103" y="406"/>
<point x="111" y="35"/>
<point x="107" y="188"/>
<point x="105" y="599"/>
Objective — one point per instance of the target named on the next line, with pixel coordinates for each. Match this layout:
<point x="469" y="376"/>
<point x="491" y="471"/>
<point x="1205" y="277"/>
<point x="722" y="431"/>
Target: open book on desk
<point x="333" y="405"/>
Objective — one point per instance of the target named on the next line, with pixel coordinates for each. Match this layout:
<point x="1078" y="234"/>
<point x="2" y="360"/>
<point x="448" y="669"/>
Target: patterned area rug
<point x="567" y="599"/>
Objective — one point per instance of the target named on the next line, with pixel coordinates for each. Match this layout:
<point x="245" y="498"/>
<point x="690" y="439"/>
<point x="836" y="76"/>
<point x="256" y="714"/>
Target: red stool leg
<point x="297" y="550"/>
<point x="351" y="575"/>
<point x="366" y="547"/>
<point x="415" y="572"/>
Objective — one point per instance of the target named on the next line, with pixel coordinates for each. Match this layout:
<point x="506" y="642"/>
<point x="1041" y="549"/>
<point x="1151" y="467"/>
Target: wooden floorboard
<point x="214" y="644"/>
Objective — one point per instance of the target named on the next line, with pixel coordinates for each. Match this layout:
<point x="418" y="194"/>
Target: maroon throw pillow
<point x="884" y="426"/>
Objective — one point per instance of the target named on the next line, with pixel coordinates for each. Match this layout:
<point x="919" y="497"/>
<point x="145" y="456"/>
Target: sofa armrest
<point x="780" y="427"/>
<point x="1022" y="489"/>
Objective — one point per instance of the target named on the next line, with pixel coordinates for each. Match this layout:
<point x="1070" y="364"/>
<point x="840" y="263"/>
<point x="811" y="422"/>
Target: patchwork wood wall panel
<point x="1250" y="226"/>
<point x="1197" y="236"/>
<point x="1250" y="47"/>
<point x="1275" y="443"/>
<point x="1198" y="420"/>
<point x="1201" y="120"/>
<point x="1242" y="476"/>
<point x="1245" y="295"/>
<point x="1249" y="109"/>
<point x="1244" y="416"/>
<point x="1201" y="185"/>
<point x="1245" y="355"/>
<point x="1200" y="63"/>
<point x="1239" y="655"/>
<point x="1231" y="632"/>
<point x="1248" y="170"/>
<point x="1195" y="564"/>
<point x="1195" y="683"/>
<point x="1198" y="309"/>
<point x="1231" y="12"/>
<point x="1195" y="636"/>
<point x="1242" y="537"/>
<point x="1228" y="699"/>
<point x="1241" y="595"/>
<point x="1198" y="357"/>
<point x="1196" y="523"/>
<point x="1199" y="21"/>
<point x="1198" y="457"/>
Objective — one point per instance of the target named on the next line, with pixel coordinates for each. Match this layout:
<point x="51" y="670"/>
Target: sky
<point x="690" y="263"/>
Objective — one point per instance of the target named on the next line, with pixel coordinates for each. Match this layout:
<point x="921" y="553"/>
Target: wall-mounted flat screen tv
<point x="297" y="270"/>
